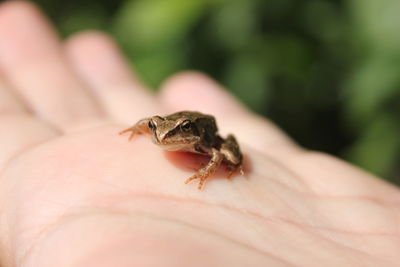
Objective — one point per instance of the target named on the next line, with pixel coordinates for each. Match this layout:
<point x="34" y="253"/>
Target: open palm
<point x="74" y="193"/>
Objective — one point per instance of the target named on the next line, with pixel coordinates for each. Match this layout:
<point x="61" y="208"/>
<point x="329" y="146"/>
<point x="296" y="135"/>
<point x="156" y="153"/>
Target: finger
<point x="99" y="62"/>
<point x="195" y="91"/>
<point x="32" y="59"/>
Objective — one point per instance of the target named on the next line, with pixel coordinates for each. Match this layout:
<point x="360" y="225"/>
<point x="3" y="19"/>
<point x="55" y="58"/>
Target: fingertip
<point x="98" y="58"/>
<point x="192" y="90"/>
<point x="23" y="23"/>
<point x="19" y="15"/>
<point x="87" y="36"/>
<point x="90" y="42"/>
<point x="8" y="7"/>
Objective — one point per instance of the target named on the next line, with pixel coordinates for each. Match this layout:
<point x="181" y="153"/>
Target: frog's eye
<point x="186" y="125"/>
<point x="151" y="125"/>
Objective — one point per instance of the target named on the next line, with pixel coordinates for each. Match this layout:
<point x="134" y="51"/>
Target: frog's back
<point x="191" y="115"/>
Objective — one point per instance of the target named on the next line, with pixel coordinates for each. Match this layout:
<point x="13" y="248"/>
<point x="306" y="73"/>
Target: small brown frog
<point x="192" y="132"/>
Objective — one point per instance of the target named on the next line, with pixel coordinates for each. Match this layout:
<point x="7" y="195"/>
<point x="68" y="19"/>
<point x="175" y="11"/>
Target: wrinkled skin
<point x="74" y="193"/>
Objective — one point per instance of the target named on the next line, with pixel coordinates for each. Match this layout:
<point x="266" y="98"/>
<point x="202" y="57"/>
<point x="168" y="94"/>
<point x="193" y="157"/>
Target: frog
<point x="194" y="132"/>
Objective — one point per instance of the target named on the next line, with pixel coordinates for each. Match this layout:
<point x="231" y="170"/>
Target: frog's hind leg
<point x="232" y="155"/>
<point x="204" y="173"/>
<point x="141" y="127"/>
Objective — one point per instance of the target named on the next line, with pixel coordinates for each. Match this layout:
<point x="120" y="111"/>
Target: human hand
<point x="74" y="193"/>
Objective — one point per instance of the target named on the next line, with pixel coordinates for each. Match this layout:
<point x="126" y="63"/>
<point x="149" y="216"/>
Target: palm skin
<point x="75" y="193"/>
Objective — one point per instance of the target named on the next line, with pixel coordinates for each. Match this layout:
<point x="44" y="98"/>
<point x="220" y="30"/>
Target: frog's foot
<point x="202" y="175"/>
<point x="132" y="130"/>
<point x="141" y="127"/>
<point x="231" y="169"/>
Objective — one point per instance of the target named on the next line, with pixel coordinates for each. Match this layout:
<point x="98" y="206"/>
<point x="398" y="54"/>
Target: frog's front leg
<point x="141" y="127"/>
<point x="204" y="173"/>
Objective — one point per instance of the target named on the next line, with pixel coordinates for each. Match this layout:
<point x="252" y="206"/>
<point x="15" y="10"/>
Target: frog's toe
<point x="202" y="176"/>
<point x="191" y="178"/>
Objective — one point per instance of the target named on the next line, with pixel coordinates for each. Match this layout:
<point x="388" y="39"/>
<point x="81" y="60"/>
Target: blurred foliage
<point x="326" y="71"/>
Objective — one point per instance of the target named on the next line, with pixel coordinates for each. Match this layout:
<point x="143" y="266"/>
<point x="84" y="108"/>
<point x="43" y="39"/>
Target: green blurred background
<point x="326" y="71"/>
